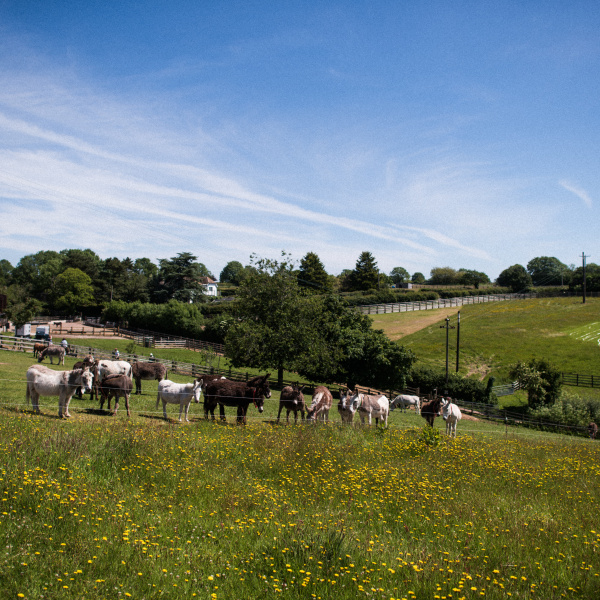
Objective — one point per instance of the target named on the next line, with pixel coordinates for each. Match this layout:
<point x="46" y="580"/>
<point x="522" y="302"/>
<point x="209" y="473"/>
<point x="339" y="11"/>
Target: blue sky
<point x="432" y="134"/>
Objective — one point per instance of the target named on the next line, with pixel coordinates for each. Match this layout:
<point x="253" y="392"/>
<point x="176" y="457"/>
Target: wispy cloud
<point x="579" y="192"/>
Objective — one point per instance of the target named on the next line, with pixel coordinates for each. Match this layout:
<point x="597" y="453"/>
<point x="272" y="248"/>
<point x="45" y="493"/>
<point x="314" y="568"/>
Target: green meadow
<point x="103" y="506"/>
<point x="495" y="335"/>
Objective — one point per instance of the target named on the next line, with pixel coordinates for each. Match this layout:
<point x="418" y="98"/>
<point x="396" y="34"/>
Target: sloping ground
<point x="494" y="336"/>
<point x="404" y="324"/>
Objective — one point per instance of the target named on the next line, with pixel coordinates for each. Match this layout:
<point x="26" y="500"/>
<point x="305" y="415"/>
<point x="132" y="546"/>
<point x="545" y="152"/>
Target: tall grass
<point x="110" y="507"/>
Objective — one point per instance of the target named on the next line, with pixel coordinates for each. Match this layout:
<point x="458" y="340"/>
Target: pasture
<point x="110" y="507"/>
<point x="493" y="336"/>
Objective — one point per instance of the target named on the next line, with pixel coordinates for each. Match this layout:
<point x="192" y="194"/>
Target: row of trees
<point x="549" y="271"/>
<point x="72" y="281"/>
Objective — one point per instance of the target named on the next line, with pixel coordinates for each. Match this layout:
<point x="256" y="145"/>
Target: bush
<point x="458" y="388"/>
<point x="174" y="317"/>
<point x="570" y="409"/>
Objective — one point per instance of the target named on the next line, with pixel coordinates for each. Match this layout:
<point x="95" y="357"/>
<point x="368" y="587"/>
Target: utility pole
<point x="448" y="327"/>
<point x="583" y="257"/>
<point x="457" y="341"/>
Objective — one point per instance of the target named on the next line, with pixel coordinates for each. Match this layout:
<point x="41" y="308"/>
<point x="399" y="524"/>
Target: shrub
<point x="569" y="409"/>
<point x="459" y="388"/>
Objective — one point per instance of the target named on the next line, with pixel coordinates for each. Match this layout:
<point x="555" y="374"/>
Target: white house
<point x="209" y="286"/>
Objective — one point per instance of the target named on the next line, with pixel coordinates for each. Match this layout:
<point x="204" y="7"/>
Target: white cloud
<point x="579" y="192"/>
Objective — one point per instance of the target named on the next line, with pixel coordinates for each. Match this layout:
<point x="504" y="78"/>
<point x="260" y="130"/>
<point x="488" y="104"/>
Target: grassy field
<point x="496" y="335"/>
<point x="109" y="507"/>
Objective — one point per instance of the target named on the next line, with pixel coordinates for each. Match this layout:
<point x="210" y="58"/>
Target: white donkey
<point x="403" y="401"/>
<point x="178" y="393"/>
<point x="451" y="414"/>
<point x="42" y="381"/>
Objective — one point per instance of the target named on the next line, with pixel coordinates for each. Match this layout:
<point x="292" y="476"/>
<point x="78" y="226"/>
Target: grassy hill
<point x="496" y="335"/>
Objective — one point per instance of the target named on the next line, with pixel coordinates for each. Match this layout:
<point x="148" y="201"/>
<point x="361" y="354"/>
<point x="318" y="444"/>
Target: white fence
<point x="397" y="307"/>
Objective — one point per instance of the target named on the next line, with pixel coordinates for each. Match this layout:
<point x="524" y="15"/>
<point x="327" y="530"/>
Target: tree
<point x="346" y="349"/>
<point x="312" y="274"/>
<point x="37" y="273"/>
<point x="320" y="337"/>
<point x="474" y="278"/>
<point x="541" y="380"/>
<point x="144" y="266"/>
<point x="399" y="275"/>
<point x="592" y="278"/>
<point x="443" y="276"/>
<point x="21" y="308"/>
<point x="548" y="270"/>
<point x="516" y="278"/>
<point x="5" y="272"/>
<point x="274" y="324"/>
<point x="74" y="291"/>
<point x="84" y="260"/>
<point x="179" y="278"/>
<point x="233" y="272"/>
<point x="418" y="278"/>
<point x="365" y="275"/>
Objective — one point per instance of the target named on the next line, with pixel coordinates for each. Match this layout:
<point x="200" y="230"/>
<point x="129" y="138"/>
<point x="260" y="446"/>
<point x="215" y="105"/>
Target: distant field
<point x="496" y="335"/>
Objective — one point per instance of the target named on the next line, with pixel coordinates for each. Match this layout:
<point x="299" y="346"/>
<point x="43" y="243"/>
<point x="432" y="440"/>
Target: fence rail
<point x="396" y="307"/>
<point x="576" y="379"/>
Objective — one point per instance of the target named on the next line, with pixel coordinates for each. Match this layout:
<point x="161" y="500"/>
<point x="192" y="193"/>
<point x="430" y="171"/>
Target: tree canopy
<point x="443" y="276"/>
<point x="548" y="270"/>
<point x="73" y="291"/>
<point x="312" y="274"/>
<point x="541" y="380"/>
<point x="516" y="278"/>
<point x="233" y="272"/>
<point x="281" y="327"/>
<point x="179" y="278"/>
<point x="399" y="275"/>
<point x="365" y="275"/>
<point x="471" y="277"/>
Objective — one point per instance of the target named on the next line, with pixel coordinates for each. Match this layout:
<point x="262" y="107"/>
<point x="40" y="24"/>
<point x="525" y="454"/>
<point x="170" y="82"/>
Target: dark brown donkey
<point x="225" y="392"/>
<point x="430" y="410"/>
<point x="292" y="399"/>
<point x="147" y="370"/>
<point x="114" y="386"/>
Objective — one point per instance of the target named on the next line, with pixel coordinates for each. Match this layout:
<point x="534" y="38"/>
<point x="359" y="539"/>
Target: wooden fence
<point x="578" y="380"/>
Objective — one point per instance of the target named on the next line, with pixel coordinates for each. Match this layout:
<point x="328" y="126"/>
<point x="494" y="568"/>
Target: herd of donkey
<point x="113" y="379"/>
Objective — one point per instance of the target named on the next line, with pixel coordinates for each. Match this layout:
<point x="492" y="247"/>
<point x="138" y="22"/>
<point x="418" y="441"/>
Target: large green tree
<point x="548" y="270"/>
<point x="348" y="350"/>
<point x="179" y="278"/>
<point x="274" y="324"/>
<point x="471" y="277"/>
<point x="312" y="274"/>
<point x="280" y="327"/>
<point x="516" y="278"/>
<point x="74" y="291"/>
<point x="365" y="275"/>
<point x="399" y="275"/>
<point x="37" y="273"/>
<point x="592" y="278"/>
<point x="21" y="307"/>
<point x="6" y="270"/>
<point x="233" y="272"/>
<point x="443" y="276"/>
